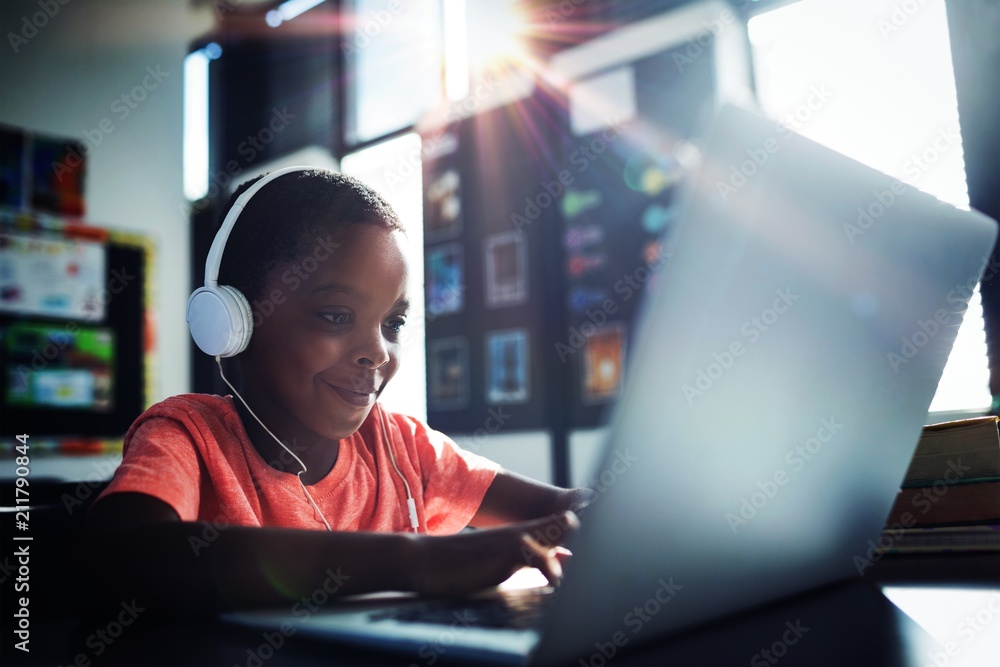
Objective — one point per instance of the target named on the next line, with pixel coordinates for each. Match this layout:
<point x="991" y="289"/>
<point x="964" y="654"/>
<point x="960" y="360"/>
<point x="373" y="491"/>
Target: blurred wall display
<point x="43" y="173"/>
<point x="77" y="343"/>
<point x="549" y="215"/>
<point x="58" y="168"/>
<point x="53" y="277"/>
<point x="506" y="264"/>
<point x="507" y="368"/>
<point x="12" y="172"/>
<point x="448" y="373"/>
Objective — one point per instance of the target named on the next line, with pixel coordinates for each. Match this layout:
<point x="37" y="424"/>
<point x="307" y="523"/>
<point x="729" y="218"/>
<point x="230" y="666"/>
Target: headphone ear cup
<point x="243" y="314"/>
<point x="220" y="320"/>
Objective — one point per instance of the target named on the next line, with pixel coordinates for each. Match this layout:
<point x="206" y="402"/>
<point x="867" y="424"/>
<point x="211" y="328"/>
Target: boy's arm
<point x="512" y="498"/>
<point x="140" y="549"/>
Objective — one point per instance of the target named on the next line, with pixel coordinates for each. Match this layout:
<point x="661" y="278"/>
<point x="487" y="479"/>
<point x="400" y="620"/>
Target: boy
<point x="305" y="447"/>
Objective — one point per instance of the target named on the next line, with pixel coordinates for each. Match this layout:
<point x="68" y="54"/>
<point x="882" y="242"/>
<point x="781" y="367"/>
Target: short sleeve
<point x="455" y="481"/>
<point x="161" y="460"/>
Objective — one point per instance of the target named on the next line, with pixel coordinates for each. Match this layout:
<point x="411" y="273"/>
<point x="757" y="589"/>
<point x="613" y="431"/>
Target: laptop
<point x="782" y="371"/>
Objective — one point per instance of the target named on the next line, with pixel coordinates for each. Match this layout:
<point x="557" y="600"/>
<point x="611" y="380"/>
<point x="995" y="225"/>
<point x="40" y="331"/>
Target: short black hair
<point x="282" y="221"/>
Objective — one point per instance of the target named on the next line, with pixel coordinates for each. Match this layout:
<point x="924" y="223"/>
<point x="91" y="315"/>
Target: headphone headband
<point x="214" y="261"/>
<point x="219" y="316"/>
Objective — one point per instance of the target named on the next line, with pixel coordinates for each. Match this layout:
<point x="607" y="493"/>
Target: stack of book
<point x="950" y="498"/>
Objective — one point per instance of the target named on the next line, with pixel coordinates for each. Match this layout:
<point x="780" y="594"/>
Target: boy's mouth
<point x="358" y="399"/>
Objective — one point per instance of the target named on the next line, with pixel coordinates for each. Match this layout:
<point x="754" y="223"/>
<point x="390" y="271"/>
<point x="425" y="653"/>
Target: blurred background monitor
<point x="72" y="335"/>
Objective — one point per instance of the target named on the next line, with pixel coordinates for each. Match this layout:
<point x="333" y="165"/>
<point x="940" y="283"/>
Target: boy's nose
<point x="374" y="352"/>
<point x="369" y="363"/>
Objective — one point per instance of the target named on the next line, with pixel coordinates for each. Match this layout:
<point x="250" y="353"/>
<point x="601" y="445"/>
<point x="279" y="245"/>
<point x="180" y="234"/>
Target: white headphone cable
<point x="411" y="504"/>
<point x="304" y="469"/>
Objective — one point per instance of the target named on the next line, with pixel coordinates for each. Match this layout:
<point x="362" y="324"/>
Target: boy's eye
<point x="396" y="323"/>
<point x="336" y="318"/>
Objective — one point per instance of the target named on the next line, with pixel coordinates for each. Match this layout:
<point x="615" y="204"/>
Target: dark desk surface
<point x="851" y="623"/>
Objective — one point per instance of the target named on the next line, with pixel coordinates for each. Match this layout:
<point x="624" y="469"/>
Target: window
<point x="394" y="65"/>
<point x="873" y="79"/>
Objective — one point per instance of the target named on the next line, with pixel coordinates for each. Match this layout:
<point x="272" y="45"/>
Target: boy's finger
<point x="545" y="559"/>
<point x="553" y="530"/>
<point x="582" y="498"/>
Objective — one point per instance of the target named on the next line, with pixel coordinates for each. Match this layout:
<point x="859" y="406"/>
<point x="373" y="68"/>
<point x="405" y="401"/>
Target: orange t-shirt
<point x="192" y="452"/>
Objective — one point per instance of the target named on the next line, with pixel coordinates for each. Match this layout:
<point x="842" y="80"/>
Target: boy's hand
<point x="514" y="498"/>
<point x="579" y="498"/>
<point x="468" y="562"/>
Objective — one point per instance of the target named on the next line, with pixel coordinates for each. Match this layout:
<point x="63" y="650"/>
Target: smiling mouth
<point x="354" y="398"/>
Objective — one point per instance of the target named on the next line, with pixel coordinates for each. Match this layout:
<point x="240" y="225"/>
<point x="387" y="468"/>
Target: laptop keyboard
<point x="514" y="610"/>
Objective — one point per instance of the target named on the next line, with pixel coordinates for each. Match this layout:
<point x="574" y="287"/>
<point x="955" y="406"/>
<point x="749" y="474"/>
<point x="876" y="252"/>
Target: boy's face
<point x="327" y="333"/>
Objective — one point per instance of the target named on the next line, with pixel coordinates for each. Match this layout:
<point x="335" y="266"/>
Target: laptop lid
<point x="783" y="369"/>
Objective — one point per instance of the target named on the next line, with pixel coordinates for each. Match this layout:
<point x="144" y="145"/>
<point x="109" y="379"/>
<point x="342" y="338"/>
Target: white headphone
<point x="219" y="316"/>
<point x="221" y="323"/>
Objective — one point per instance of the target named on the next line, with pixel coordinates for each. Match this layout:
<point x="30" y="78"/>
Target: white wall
<point x="65" y="81"/>
<point x="527" y="452"/>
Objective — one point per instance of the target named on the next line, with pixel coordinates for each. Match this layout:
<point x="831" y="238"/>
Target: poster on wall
<point x="443" y="205"/>
<point x="507" y="366"/>
<point x="57" y="176"/>
<point x="604" y="363"/>
<point x="445" y="279"/>
<point x="448" y="372"/>
<point x="506" y="269"/>
<point x="56" y="278"/>
<point x="12" y="175"/>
